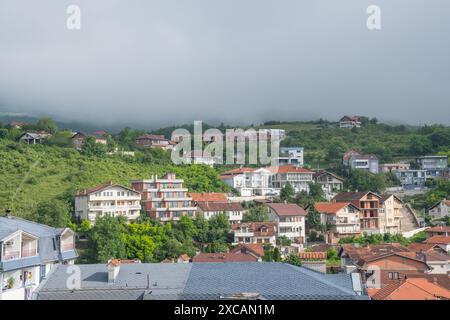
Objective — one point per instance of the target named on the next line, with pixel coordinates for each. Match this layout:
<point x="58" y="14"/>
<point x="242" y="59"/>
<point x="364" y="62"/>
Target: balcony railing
<point x="29" y="253"/>
<point x="10" y="255"/>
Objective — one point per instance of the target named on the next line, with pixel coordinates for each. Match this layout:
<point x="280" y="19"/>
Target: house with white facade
<point x="391" y="208"/>
<point x="436" y="166"/>
<point x="298" y="178"/>
<point x="290" y="221"/>
<point x="290" y="155"/>
<point x="349" y="122"/>
<point x="254" y="232"/>
<point x="330" y="182"/>
<point x="411" y="178"/>
<point x="28" y="251"/>
<point x="34" y="137"/>
<point x="342" y="217"/>
<point x="368" y="162"/>
<point x="233" y="210"/>
<point x="107" y="199"/>
<point x="440" y="209"/>
<point x="249" y="181"/>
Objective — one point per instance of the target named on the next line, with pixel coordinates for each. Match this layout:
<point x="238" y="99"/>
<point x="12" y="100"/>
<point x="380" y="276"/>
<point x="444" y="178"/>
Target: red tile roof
<point x="255" y="248"/>
<point x="237" y="171"/>
<point x="99" y="188"/>
<point x="290" y="168"/>
<point x="184" y="257"/>
<point x="208" y="197"/>
<point x="287" y="209"/>
<point x="439" y="229"/>
<point x="417" y="247"/>
<point x="330" y="207"/>
<point x="352" y="196"/>
<point x="438" y="240"/>
<point x="257" y="227"/>
<point x="220" y="206"/>
<point x="412" y="289"/>
<point x="312" y="255"/>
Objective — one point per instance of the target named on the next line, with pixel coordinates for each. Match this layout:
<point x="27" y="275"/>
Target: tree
<point x="287" y="192"/>
<point x="55" y="213"/>
<point x="92" y="148"/>
<point x="106" y="239"/>
<point x="257" y="214"/>
<point x="85" y="226"/>
<point x="3" y="133"/>
<point x="283" y="241"/>
<point x="316" y="191"/>
<point x="293" y="259"/>
<point x="47" y="125"/>
<point x="185" y="229"/>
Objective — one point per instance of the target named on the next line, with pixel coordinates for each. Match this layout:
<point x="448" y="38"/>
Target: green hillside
<point x="32" y="174"/>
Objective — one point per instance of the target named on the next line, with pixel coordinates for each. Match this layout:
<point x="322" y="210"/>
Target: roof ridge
<point x="31" y="221"/>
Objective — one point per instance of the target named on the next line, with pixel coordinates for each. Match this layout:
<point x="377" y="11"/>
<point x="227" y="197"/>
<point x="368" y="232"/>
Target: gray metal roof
<point x="165" y="281"/>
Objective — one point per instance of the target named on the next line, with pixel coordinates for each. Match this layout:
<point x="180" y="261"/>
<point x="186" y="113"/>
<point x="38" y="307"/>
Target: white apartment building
<point x="249" y="181"/>
<point x="390" y="214"/>
<point x="28" y="251"/>
<point x="107" y="199"/>
<point x="290" y="220"/>
<point x="291" y="155"/>
<point x="343" y="218"/>
<point x="232" y="210"/>
<point x="298" y="178"/>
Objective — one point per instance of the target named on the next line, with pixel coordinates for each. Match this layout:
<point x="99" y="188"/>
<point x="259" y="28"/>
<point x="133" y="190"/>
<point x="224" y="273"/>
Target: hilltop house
<point x="342" y="217"/>
<point x="440" y="209"/>
<point x="78" y="139"/>
<point x="350" y="122"/>
<point x="154" y="141"/>
<point x="107" y="199"/>
<point x="254" y="232"/>
<point x="28" y="252"/>
<point x="34" y="137"/>
<point x="100" y="136"/>
<point x="165" y="198"/>
<point x="290" y="221"/>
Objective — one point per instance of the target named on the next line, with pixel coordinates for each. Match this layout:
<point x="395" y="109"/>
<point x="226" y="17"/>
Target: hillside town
<point x="313" y="229"/>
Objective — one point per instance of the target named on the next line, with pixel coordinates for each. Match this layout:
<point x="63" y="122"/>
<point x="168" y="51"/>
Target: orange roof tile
<point x="290" y="168"/>
<point x="208" y="197"/>
<point x="438" y="240"/>
<point x="412" y="289"/>
<point x="330" y="207"/>
<point x="312" y="255"/>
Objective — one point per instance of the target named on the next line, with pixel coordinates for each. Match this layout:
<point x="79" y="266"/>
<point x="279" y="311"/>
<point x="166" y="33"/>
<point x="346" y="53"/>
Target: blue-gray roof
<point x="195" y="281"/>
<point x="46" y="237"/>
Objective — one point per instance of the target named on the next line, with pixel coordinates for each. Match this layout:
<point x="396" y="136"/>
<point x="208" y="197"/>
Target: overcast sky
<point x="238" y="61"/>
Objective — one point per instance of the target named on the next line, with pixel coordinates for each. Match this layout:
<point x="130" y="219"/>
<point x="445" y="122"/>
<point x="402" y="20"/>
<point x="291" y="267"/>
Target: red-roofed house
<point x="249" y="181"/>
<point x="154" y="141"/>
<point x="255" y="232"/>
<point x="107" y="199"/>
<point x="238" y="254"/>
<point x="342" y="216"/>
<point x="290" y="219"/>
<point x="411" y="289"/>
<point x="438" y="231"/>
<point x="349" y="122"/>
<point x="442" y="241"/>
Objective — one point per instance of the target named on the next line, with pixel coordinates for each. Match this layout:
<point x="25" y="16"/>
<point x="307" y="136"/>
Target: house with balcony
<point x="392" y="167"/>
<point x="165" y="198"/>
<point x="436" y="166"/>
<point x="390" y="214"/>
<point x="249" y="181"/>
<point x="254" y="232"/>
<point x="367" y="162"/>
<point x="411" y="178"/>
<point x="107" y="199"/>
<point x="298" y="178"/>
<point x="154" y="141"/>
<point x="233" y="210"/>
<point x="290" y="155"/>
<point x="330" y="182"/>
<point x="290" y="221"/>
<point x="341" y="217"/>
<point x="28" y="251"/>
<point x="368" y="204"/>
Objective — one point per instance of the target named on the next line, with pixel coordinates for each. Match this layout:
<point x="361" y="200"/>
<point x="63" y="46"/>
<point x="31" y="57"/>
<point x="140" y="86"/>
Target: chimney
<point x="113" y="270"/>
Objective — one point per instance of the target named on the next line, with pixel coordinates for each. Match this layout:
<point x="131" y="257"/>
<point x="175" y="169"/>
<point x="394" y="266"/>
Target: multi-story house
<point x="154" y="141"/>
<point x="342" y="217"/>
<point x="28" y="251"/>
<point x="249" y="181"/>
<point x="436" y="166"/>
<point x="290" y="221"/>
<point x="330" y="182"/>
<point x="107" y="199"/>
<point x="389" y="167"/>
<point x="368" y="162"/>
<point x="440" y="209"/>
<point x="232" y="210"/>
<point x="255" y="232"/>
<point x="349" y="122"/>
<point x="368" y="204"/>
<point x="347" y="155"/>
<point x="298" y="178"/>
<point x="165" y="199"/>
<point x="411" y="178"/>
<point x="290" y="155"/>
<point x="390" y="214"/>
<point x="78" y="139"/>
